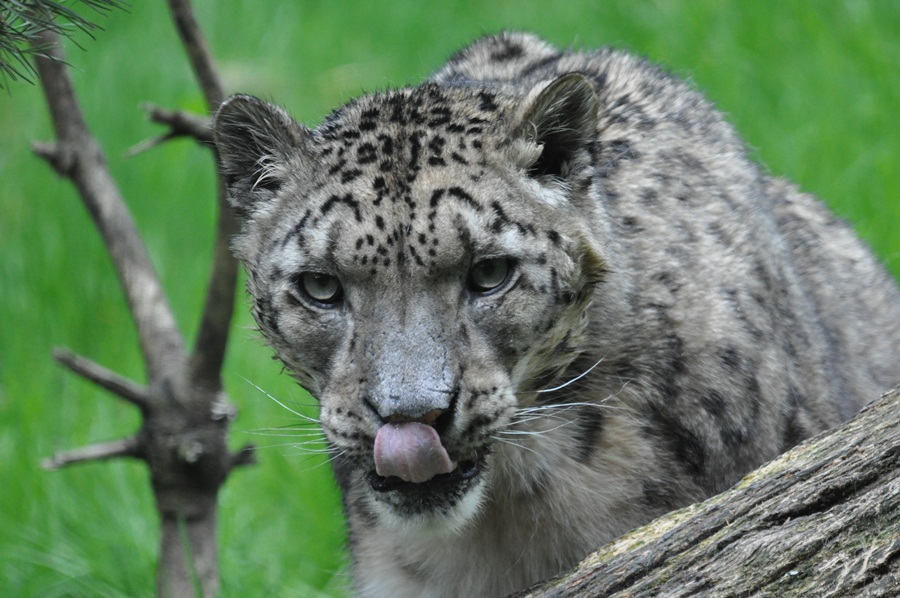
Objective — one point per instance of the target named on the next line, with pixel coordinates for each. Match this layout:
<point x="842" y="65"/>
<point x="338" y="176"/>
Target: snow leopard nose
<point x="409" y="381"/>
<point x="409" y="368"/>
<point x="419" y="408"/>
<point x="429" y="418"/>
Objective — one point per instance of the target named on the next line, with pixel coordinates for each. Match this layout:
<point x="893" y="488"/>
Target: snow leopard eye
<point x="488" y="275"/>
<point x="322" y="289"/>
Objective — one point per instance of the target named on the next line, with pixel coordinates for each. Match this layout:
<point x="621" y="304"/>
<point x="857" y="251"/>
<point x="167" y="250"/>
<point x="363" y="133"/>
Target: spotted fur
<point x="717" y="314"/>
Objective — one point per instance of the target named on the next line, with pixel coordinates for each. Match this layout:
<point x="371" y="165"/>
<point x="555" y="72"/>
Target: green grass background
<point x="813" y="87"/>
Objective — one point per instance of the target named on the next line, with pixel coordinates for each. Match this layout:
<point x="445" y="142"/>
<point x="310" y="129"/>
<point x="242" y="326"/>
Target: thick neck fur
<point x="538" y="517"/>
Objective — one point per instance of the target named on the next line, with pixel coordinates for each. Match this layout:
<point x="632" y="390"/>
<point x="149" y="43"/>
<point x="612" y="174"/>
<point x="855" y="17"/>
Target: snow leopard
<point x="541" y="299"/>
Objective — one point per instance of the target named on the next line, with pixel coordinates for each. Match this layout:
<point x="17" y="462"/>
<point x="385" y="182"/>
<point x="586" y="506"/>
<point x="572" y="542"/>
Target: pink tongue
<point x="411" y="451"/>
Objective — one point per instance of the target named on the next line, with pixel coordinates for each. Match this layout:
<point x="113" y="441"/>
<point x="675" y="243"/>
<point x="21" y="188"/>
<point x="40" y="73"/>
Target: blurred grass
<point x="813" y="88"/>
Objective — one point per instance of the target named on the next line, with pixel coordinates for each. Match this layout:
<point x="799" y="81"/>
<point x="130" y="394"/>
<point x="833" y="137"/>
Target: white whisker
<point x="557" y="411"/>
<point x="288" y="432"/>
<point x="305" y="450"/>
<point x="514" y="443"/>
<point x="323" y="461"/>
<point x="295" y="412"/>
<point x="565" y="423"/>
<point x="573" y="380"/>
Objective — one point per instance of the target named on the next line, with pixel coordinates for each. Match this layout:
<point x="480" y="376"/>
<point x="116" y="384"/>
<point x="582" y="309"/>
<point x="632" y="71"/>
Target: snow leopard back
<point x="752" y="312"/>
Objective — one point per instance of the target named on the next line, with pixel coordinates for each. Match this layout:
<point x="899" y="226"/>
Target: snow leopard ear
<point x="559" y="122"/>
<point x="255" y="141"/>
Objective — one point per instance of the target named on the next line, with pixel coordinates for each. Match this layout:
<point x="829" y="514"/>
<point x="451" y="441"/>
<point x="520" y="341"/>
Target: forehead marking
<point x="388" y="145"/>
<point x="347" y="200"/>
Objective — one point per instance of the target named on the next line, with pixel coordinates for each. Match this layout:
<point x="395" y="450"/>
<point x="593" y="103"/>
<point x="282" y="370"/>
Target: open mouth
<point x="445" y="483"/>
<point x="414" y="473"/>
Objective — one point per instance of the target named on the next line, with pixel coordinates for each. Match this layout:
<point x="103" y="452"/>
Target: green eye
<point x="323" y="289"/>
<point x="490" y="274"/>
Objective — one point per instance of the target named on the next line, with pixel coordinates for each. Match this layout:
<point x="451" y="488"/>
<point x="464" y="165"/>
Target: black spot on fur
<point x="509" y="51"/>
<point x="612" y="154"/>
<point x="794" y="432"/>
<point x="436" y="145"/>
<point x="460" y="194"/>
<point x="730" y="358"/>
<point x="688" y="447"/>
<point x="415" y="148"/>
<point x="589" y="427"/>
<point x="631" y="226"/>
<point x="415" y="256"/>
<point x="648" y="196"/>
<point x="337" y="167"/>
<point x="668" y="281"/>
<point x="366" y="153"/>
<point x="500" y="221"/>
<point x="349" y="175"/>
<point x="487" y="101"/>
<point x="439" y="116"/>
<point x="657" y="494"/>
<point x="715" y="403"/>
<point x="347" y="200"/>
<point x="368" y="119"/>
<point x="537" y="65"/>
<point x="387" y="144"/>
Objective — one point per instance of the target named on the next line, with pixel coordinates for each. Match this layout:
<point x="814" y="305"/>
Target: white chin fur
<point x="447" y="522"/>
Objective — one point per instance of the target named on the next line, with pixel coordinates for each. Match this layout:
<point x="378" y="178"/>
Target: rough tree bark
<point x="185" y="410"/>
<point x="821" y="520"/>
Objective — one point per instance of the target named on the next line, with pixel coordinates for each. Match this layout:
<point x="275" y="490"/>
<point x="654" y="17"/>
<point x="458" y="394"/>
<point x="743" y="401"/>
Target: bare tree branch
<point x="246" y="455"/>
<point x="180" y="123"/>
<point x="121" y="386"/>
<point x="198" y="53"/>
<point x="218" y="308"/>
<point x="183" y="123"/>
<point x="215" y="323"/>
<point x="77" y="155"/>
<point x="148" y="144"/>
<point x="186" y="413"/>
<point x="126" y="447"/>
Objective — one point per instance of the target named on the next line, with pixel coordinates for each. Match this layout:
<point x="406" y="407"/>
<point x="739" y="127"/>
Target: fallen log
<point x="821" y="520"/>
